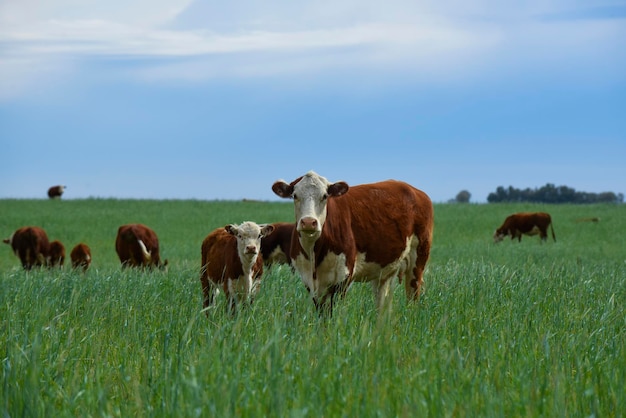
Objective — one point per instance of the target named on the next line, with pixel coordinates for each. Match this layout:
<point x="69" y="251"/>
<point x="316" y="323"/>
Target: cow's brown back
<point x="129" y="249"/>
<point x="30" y="244"/>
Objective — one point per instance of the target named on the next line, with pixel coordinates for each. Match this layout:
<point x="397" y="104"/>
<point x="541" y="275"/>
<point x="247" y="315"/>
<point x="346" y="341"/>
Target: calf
<point x="232" y="261"/>
<point x="275" y="247"/>
<point x="31" y="245"/>
<point x="526" y="223"/>
<point x="56" y="254"/>
<point x="138" y="246"/>
<point x="81" y="256"/>
<point x="55" y="192"/>
<point x="366" y="233"/>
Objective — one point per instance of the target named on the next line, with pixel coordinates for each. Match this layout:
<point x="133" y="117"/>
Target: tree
<point x="463" y="196"/>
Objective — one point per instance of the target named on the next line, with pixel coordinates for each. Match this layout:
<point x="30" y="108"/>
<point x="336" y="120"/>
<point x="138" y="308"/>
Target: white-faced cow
<point x="366" y="233"/>
<point x="232" y="261"/>
<point x="31" y="245"/>
<point x="138" y="246"/>
<point x="526" y="223"/>
<point x="55" y="192"/>
<point x="275" y="247"/>
<point x="81" y="256"/>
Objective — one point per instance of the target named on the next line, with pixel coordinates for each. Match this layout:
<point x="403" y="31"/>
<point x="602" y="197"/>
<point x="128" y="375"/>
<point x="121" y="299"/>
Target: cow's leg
<point x="381" y="292"/>
<point x="415" y="267"/>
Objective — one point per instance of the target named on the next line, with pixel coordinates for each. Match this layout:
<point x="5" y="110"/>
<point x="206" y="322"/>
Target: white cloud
<point x="426" y="38"/>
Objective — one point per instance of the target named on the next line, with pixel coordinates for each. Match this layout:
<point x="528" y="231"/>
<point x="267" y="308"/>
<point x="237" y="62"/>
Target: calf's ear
<point x="282" y="189"/>
<point x="337" y="189"/>
<point x="266" y="230"/>
<point x="231" y="229"/>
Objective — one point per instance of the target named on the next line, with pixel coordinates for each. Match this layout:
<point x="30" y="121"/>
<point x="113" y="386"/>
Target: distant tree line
<point x="552" y="194"/>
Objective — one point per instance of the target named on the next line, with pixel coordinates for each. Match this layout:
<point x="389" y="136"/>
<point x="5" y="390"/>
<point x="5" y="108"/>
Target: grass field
<point x="514" y="329"/>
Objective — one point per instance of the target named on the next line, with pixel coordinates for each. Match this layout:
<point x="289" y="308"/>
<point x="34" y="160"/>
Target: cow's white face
<point x="249" y="236"/>
<point x="310" y="196"/>
<point x="498" y="236"/>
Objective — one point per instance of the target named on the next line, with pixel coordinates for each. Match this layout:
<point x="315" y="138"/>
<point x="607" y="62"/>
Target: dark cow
<point x="55" y="192"/>
<point x="31" y="245"/>
<point x="56" y="254"/>
<point x="366" y="233"/>
<point x="232" y="261"/>
<point x="275" y="247"/>
<point x="138" y="246"/>
<point x="527" y="223"/>
<point x="81" y="256"/>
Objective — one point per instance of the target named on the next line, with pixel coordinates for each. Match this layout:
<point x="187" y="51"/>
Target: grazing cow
<point x="81" y="256"/>
<point x="138" y="246"/>
<point x="56" y="254"/>
<point x="31" y="245"/>
<point x="520" y="224"/>
<point x="55" y="192"/>
<point x="275" y="247"/>
<point x="232" y="260"/>
<point x="366" y="233"/>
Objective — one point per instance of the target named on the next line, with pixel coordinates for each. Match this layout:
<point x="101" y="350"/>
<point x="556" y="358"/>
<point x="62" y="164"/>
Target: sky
<point x="206" y="99"/>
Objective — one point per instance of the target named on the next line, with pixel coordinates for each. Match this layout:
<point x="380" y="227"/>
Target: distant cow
<point x="81" y="256"/>
<point x="31" y="245"/>
<point x="526" y="223"/>
<point x="232" y="261"/>
<point x="56" y="254"/>
<point x="366" y="233"/>
<point x="275" y="247"/>
<point x="138" y="246"/>
<point x="55" y="192"/>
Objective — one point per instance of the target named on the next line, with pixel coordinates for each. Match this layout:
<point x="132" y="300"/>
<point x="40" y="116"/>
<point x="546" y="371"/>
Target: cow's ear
<point x="337" y="189"/>
<point x="231" y="229"/>
<point x="282" y="189"/>
<point x="266" y="230"/>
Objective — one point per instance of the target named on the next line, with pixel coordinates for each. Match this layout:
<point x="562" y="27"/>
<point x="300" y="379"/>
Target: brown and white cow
<point x="366" y="233"/>
<point x="525" y="223"/>
<point x="232" y="261"/>
<point x="56" y="254"/>
<point x="31" y="245"/>
<point x="81" y="256"/>
<point x="138" y="246"/>
<point x="55" y="192"/>
<point x="275" y="247"/>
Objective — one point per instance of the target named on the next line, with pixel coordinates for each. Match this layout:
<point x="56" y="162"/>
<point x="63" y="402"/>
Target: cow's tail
<point x="144" y="251"/>
<point x="552" y="230"/>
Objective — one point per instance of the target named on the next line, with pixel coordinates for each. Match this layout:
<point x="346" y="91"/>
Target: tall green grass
<point x="514" y="329"/>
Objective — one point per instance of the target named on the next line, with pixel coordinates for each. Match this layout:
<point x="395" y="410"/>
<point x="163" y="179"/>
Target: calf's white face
<point x="249" y="236"/>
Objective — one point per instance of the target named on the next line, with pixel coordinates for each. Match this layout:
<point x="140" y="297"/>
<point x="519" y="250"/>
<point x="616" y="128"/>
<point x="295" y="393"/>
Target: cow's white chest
<point x="331" y="271"/>
<point x="242" y="287"/>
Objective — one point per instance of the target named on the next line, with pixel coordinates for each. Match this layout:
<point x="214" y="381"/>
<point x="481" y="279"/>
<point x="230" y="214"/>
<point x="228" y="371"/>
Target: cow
<point x="275" y="247"/>
<point x="56" y="254"/>
<point x="138" y="246"/>
<point x="55" y="192"/>
<point x="232" y="261"/>
<point x="365" y="233"/>
<point x="525" y="223"/>
<point x="30" y="244"/>
<point x="81" y="256"/>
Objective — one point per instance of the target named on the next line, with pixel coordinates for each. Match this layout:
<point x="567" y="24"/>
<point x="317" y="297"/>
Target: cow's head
<point x="499" y="235"/>
<point x="310" y="195"/>
<point x="249" y="236"/>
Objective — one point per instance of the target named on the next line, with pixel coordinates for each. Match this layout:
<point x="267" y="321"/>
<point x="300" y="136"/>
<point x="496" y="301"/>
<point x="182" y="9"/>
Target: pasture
<point x="514" y="329"/>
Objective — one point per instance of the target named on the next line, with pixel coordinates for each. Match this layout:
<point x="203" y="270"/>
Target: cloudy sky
<point x="210" y="99"/>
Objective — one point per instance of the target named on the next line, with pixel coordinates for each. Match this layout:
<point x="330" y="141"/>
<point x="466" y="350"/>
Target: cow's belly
<point x="534" y="231"/>
<point x="367" y="271"/>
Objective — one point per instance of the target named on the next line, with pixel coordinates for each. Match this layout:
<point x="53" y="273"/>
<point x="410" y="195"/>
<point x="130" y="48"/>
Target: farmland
<point x="514" y="329"/>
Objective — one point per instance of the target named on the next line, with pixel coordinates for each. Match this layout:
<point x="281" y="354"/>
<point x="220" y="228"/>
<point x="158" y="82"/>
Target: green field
<point x="507" y="330"/>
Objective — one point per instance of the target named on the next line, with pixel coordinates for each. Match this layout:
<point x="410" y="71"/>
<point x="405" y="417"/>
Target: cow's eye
<point x="295" y="196"/>
<point x="324" y="197"/>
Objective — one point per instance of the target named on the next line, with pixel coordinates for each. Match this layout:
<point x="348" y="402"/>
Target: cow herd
<point x="341" y="234"/>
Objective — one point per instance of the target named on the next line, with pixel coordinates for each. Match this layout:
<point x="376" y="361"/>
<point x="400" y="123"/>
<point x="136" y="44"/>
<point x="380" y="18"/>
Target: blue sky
<point x="205" y="100"/>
